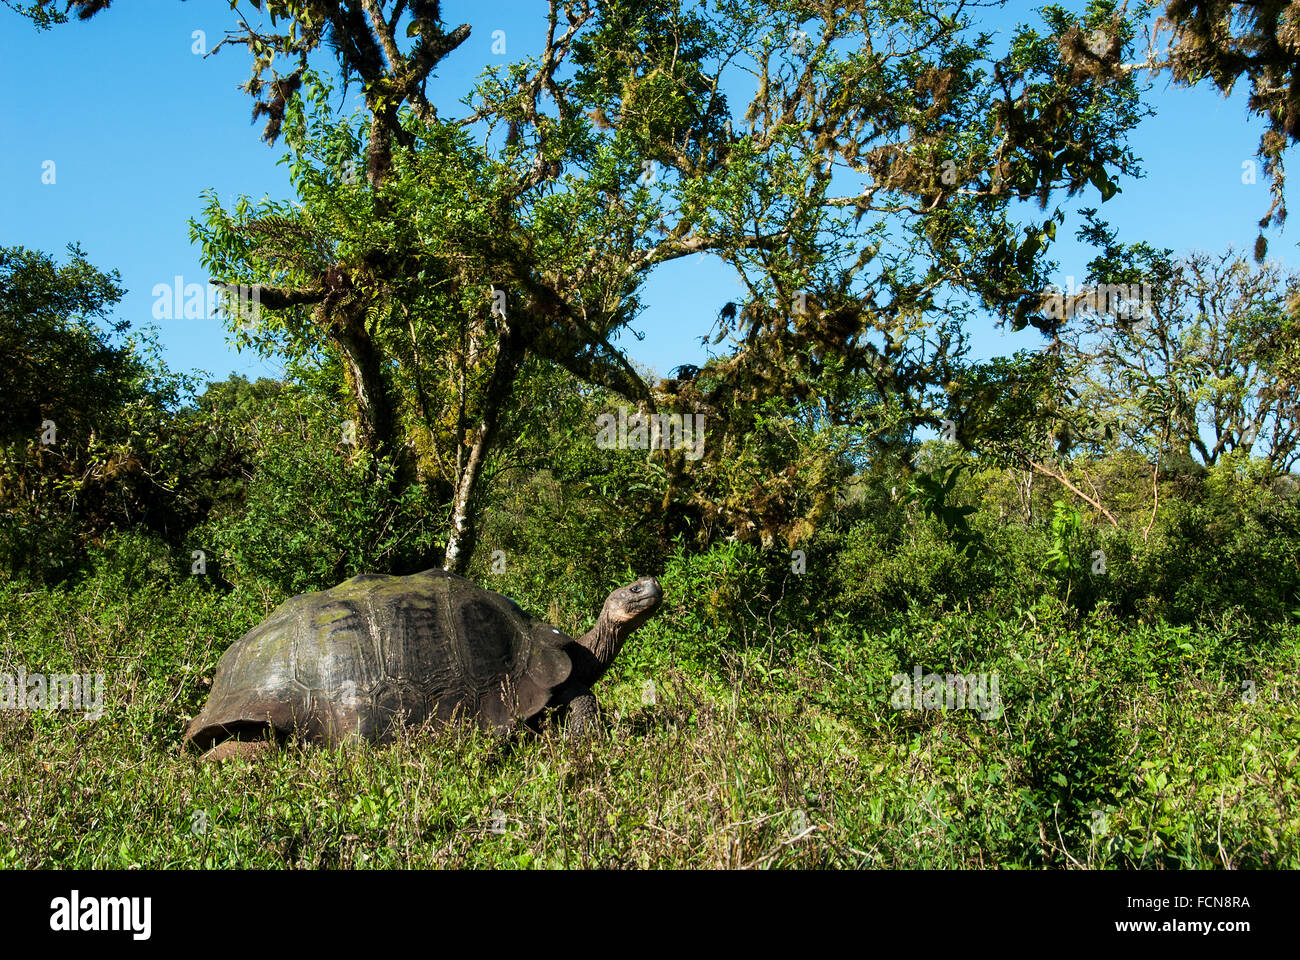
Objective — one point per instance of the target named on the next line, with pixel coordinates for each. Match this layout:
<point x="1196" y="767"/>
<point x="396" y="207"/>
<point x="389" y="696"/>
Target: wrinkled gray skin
<point x="375" y="651"/>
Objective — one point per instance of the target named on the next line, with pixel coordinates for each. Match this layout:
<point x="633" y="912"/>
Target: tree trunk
<point x="464" y="529"/>
<point x="364" y="371"/>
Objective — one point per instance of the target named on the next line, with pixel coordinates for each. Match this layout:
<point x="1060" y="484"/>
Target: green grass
<point x="1121" y="744"/>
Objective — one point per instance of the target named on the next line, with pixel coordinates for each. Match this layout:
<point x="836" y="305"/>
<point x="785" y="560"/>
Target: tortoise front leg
<point x="579" y="709"/>
<point x="239" y="750"/>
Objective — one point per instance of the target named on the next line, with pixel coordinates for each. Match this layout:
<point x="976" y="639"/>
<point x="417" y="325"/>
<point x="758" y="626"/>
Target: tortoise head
<point x="629" y="607"/>
<point x="624" y="611"/>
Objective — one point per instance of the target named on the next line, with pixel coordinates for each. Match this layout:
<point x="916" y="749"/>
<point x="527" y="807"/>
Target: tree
<point x="616" y="151"/>
<point x="81" y="425"/>
<point x="55" y="335"/>
<point x="1207" y="367"/>
<point x="858" y="310"/>
<point x="1022" y="412"/>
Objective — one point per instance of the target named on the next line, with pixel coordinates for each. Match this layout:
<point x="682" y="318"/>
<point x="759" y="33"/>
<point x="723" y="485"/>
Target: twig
<point x="1060" y="478"/>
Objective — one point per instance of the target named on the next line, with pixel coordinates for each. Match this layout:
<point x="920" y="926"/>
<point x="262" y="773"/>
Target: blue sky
<point x="137" y="125"/>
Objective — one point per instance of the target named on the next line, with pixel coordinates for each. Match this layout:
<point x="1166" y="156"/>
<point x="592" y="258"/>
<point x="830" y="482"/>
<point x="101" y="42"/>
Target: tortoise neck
<point x="601" y="643"/>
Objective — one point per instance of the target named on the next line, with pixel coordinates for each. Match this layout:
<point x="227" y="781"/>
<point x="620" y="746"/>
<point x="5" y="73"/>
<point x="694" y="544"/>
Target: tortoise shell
<point x="376" y="651"/>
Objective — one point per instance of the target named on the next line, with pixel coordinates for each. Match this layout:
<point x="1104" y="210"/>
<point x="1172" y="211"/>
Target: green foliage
<point x="1063" y="557"/>
<point x="931" y="493"/>
<point x="309" y="510"/>
<point x="84" y="434"/>
<point x="1118" y="745"/>
<point x="60" y="358"/>
<point x="1015" y="410"/>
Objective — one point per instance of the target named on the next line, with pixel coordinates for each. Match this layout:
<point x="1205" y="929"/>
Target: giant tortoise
<point x="376" y="651"/>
